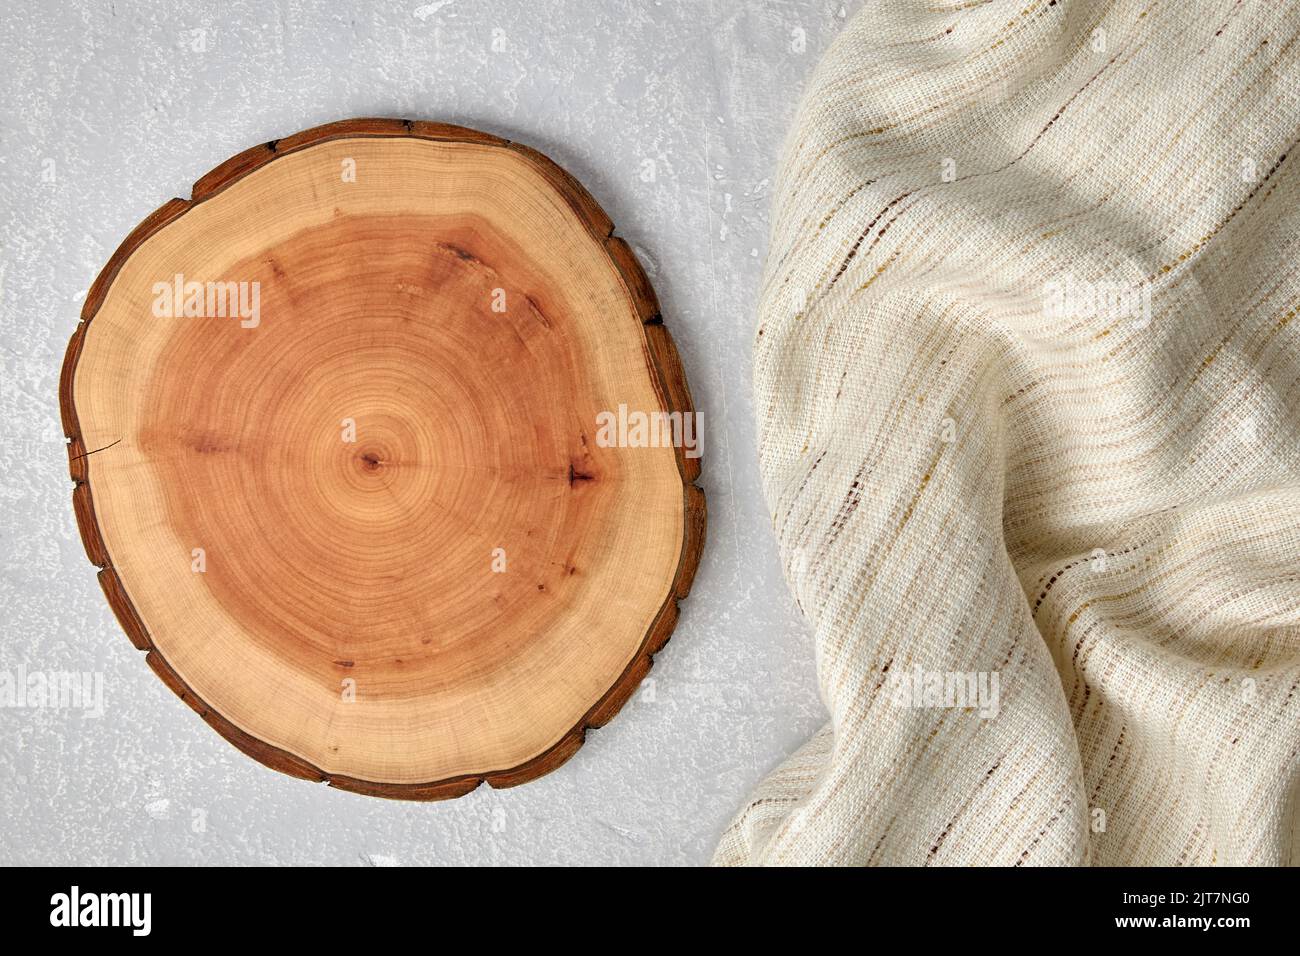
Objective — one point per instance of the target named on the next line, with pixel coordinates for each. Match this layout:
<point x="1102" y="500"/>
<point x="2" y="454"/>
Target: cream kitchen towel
<point x="1027" y="374"/>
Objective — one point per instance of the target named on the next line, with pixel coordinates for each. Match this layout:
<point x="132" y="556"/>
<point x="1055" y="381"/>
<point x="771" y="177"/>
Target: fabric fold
<point x="1027" y="378"/>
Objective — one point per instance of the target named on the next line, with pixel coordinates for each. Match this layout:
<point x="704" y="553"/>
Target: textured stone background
<point x="109" y="110"/>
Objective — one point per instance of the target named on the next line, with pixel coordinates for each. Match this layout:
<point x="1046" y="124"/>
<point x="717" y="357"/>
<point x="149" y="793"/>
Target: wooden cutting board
<point x="354" y="437"/>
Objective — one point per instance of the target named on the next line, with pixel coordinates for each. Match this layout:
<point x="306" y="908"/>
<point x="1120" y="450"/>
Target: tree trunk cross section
<point x="333" y="432"/>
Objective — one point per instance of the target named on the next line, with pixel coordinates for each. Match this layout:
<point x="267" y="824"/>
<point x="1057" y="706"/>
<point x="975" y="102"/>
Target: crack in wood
<point x="87" y="454"/>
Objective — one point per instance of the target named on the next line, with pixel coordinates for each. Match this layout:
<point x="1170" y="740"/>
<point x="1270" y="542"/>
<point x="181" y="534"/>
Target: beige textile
<point x="1027" y="374"/>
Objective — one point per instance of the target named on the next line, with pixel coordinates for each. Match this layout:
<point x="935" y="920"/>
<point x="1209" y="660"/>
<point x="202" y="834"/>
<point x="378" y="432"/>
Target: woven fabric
<point x="1027" y="377"/>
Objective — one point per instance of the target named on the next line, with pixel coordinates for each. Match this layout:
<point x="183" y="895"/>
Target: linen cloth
<point x="1027" y="377"/>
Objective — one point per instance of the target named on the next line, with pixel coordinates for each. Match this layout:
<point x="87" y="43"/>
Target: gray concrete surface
<point x="673" y="114"/>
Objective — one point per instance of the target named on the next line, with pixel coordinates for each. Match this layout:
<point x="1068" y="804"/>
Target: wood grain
<point x="461" y="301"/>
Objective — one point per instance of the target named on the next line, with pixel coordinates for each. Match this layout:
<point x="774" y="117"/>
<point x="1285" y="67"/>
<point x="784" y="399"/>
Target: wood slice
<point x="359" y="512"/>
